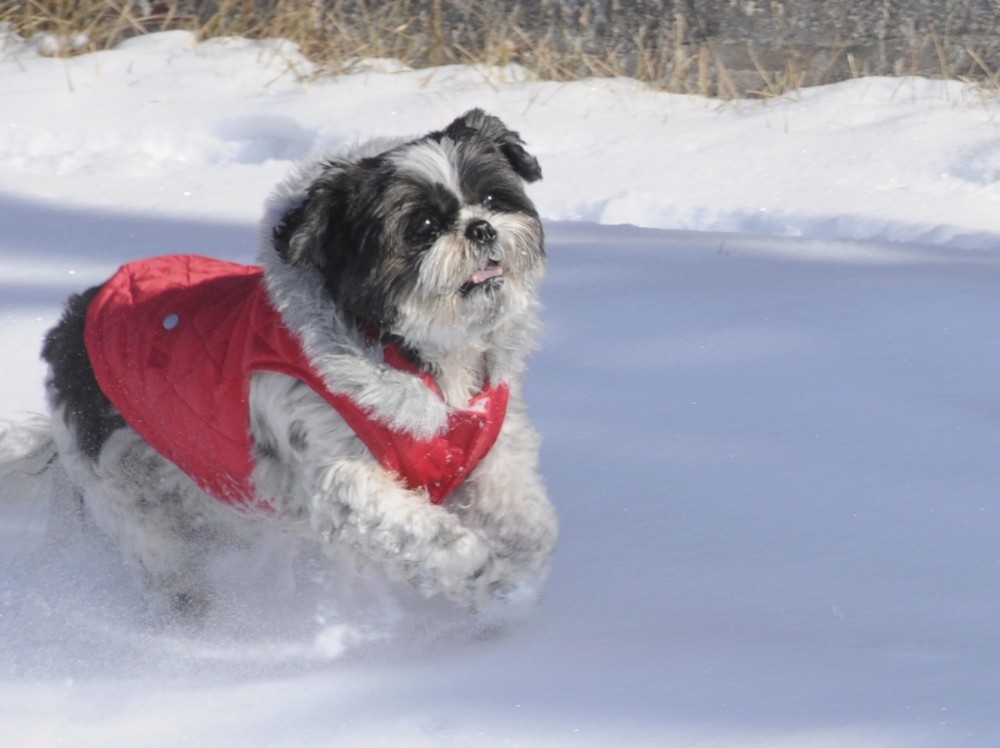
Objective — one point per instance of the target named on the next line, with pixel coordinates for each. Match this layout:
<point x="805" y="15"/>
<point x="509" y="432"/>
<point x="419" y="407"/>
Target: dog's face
<point x="434" y="240"/>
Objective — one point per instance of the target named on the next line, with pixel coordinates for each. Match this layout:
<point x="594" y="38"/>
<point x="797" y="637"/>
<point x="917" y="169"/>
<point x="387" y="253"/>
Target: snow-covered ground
<point x="768" y="389"/>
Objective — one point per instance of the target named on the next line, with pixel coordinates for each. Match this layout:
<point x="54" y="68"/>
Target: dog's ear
<point x="477" y="122"/>
<point x="306" y="232"/>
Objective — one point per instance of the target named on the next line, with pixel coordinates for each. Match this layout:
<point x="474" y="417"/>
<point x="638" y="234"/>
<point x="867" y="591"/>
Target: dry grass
<point x="668" y="54"/>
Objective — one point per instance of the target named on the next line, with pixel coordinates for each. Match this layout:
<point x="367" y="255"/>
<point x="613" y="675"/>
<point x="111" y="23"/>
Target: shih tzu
<point x="362" y="385"/>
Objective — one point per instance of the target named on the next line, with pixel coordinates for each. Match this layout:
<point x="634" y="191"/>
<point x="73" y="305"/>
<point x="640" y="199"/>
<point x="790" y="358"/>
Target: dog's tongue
<point x="481" y="276"/>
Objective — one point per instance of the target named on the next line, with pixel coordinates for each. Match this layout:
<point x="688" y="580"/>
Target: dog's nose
<point x="480" y="231"/>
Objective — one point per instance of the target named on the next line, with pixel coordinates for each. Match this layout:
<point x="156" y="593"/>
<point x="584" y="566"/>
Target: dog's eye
<point x="498" y="201"/>
<point x="426" y="227"/>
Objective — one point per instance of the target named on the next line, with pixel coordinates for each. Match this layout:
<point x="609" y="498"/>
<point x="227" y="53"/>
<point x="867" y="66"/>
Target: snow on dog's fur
<point x="430" y="244"/>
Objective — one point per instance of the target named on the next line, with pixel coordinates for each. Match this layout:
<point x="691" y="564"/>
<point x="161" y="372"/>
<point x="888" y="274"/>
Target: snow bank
<point x="168" y="125"/>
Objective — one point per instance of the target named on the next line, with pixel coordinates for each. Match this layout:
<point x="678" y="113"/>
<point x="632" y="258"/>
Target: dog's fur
<point x="395" y="236"/>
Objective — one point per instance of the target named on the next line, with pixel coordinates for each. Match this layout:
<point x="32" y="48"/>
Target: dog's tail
<point x="27" y="448"/>
<point x="31" y="474"/>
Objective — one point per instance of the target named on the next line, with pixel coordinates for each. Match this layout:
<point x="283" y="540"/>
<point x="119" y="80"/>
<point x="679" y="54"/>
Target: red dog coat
<point x="173" y="342"/>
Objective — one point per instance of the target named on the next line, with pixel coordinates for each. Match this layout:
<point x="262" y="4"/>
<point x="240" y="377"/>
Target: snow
<point x="766" y="386"/>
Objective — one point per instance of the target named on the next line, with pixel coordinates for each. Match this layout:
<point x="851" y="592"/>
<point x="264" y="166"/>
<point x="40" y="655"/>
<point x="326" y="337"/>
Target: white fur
<point x="430" y="162"/>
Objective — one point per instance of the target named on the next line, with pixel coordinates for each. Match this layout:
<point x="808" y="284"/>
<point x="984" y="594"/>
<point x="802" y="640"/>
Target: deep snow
<point x="769" y="408"/>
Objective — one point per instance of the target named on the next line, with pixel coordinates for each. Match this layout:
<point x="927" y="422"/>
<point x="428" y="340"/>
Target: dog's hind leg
<point x="156" y="514"/>
<point x="149" y="510"/>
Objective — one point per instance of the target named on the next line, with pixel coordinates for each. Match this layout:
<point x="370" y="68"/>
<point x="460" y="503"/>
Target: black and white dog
<point x="362" y="386"/>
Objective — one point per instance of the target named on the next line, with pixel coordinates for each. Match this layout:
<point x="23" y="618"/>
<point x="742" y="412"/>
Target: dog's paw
<point x="469" y="574"/>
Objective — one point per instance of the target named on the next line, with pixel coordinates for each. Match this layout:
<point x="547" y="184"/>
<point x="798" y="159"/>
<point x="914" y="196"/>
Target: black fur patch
<point x="298" y="438"/>
<point x="88" y="411"/>
<point x="265" y="446"/>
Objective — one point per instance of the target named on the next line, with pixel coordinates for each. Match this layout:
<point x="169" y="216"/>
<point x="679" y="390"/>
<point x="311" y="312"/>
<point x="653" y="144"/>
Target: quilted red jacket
<point x="173" y="342"/>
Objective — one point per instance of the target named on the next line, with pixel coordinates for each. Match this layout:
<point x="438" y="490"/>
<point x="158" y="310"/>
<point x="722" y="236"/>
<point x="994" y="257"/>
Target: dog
<point x="362" y="385"/>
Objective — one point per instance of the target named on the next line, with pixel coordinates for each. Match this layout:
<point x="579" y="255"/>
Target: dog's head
<point x="432" y="240"/>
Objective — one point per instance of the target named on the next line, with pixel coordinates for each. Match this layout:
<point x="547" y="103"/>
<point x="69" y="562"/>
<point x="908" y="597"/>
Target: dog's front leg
<point x="315" y="472"/>
<point x="505" y="501"/>
<point x="360" y="507"/>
